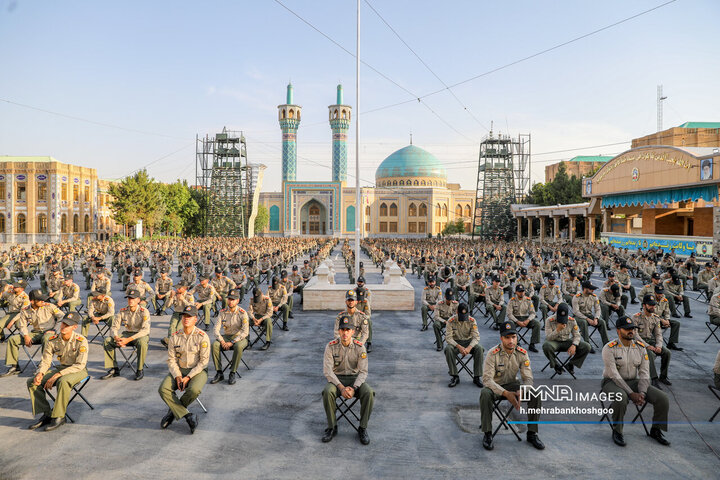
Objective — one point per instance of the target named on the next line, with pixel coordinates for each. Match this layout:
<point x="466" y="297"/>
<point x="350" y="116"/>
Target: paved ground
<point x="269" y="424"/>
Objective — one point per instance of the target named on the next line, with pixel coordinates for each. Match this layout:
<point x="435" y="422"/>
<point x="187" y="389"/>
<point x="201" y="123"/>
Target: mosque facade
<point x="411" y="196"/>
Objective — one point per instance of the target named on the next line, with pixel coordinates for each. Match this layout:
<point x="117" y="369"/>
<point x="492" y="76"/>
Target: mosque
<point x="411" y="197"/>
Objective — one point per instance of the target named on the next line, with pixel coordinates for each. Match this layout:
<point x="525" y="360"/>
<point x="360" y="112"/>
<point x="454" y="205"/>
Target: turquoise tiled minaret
<point x="340" y="123"/>
<point x="289" y="118"/>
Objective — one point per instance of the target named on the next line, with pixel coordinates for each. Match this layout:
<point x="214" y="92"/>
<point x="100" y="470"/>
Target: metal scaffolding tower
<point x="503" y="178"/>
<point x="223" y="175"/>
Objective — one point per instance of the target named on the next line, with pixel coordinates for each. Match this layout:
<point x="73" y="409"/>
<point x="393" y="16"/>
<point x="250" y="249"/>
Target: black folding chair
<point x="343" y="407"/>
<point x="606" y="416"/>
<point x="199" y="402"/>
<point x="77" y="391"/>
<point x="502" y="416"/>
<point x="522" y="333"/>
<point x="713" y="328"/>
<point x="129" y="359"/>
<point x="31" y="356"/>
<point x="462" y="296"/>
<point x="702" y="294"/>
<point x="259" y="332"/>
<point x="277" y="319"/>
<point x="462" y="364"/>
<point x="562" y="364"/>
<point x="227" y="361"/>
<point x="102" y="328"/>
<point x="592" y="332"/>
<point x="715" y="391"/>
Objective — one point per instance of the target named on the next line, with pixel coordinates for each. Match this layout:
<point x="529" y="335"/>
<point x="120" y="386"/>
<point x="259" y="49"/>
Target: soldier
<point x="306" y="271"/>
<point x="500" y="370"/>
<point x="462" y="281"/>
<point x="234" y="321"/>
<point x="100" y="309"/>
<point x="570" y="286"/>
<point x="206" y="296"/>
<point x="54" y="284"/>
<point x="188" y="355"/>
<point x="550" y="296"/>
<point x="345" y="366"/>
<point x="521" y="312"/>
<point x="177" y="300"/>
<point x="526" y="282"/>
<point x="649" y="330"/>
<point x="358" y="318"/>
<point x="163" y="290"/>
<point x="563" y="335"/>
<point x="278" y="295"/>
<point x="463" y="338"/>
<point x="662" y="310"/>
<point x="625" y="375"/>
<point x="364" y="306"/>
<point x="623" y="278"/>
<point x="36" y="323"/>
<point x="135" y="320"/>
<point x="675" y="294"/>
<point x="188" y="275"/>
<point x="431" y="296"/>
<point x="586" y="308"/>
<point x="476" y="291"/>
<point x="655" y="280"/>
<point x="222" y="286"/>
<point x="288" y="284"/>
<point x="142" y="287"/>
<point x="69" y="294"/>
<point x="445" y="311"/>
<point x="240" y="279"/>
<point x="298" y="282"/>
<point x="72" y="352"/>
<point x="495" y="302"/>
<point x="704" y="278"/>
<point x="260" y="310"/>
<point x="610" y="302"/>
<point x="17" y="300"/>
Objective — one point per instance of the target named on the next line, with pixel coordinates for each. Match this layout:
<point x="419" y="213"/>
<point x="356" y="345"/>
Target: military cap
<point x="587" y="284"/>
<point x="350" y="295"/>
<point x="71" y="318"/>
<point x="625" y="322"/>
<point x="519" y="288"/>
<point x="656" y="276"/>
<point x="462" y="312"/>
<point x="361" y="279"/>
<point x="218" y="270"/>
<point x="344" y="323"/>
<point x="190" y="311"/>
<point x="431" y="279"/>
<point x="551" y="276"/>
<point x="449" y="293"/>
<point x="38" y="295"/>
<point x="659" y="289"/>
<point x="562" y="314"/>
<point x="234" y="294"/>
<point x="294" y="267"/>
<point x="523" y="271"/>
<point x="20" y="284"/>
<point x="507" y="328"/>
<point x="133" y="294"/>
<point x="649" y="299"/>
<point x="478" y="276"/>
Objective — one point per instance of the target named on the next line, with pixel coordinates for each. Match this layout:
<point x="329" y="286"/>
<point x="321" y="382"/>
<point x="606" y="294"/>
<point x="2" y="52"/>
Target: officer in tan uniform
<point x="662" y="310"/>
<point x="188" y="355"/>
<point x="445" y="310"/>
<point x="188" y="275"/>
<point x="278" y="295"/>
<point x="71" y="351"/>
<point x="260" y="312"/>
<point x="626" y="375"/>
<point x="611" y="302"/>
<point x="234" y="336"/>
<point x="69" y="294"/>
<point x="570" y="287"/>
<point x="623" y="278"/>
<point x="675" y="293"/>
<point x="650" y="331"/>
<point x="101" y="309"/>
<point x="462" y="281"/>
<point x="364" y="306"/>
<point x="206" y="296"/>
<point x="36" y="324"/>
<point x="550" y="297"/>
<point x="163" y="290"/>
<point x="358" y="318"/>
<point x="586" y="308"/>
<point x="17" y="300"/>
<point x="462" y="339"/>
<point x="298" y="282"/>
<point x="222" y="285"/>
<point x="135" y="323"/>
<point x="563" y="335"/>
<point x="502" y="364"/>
<point x="345" y="367"/>
<point x="520" y="310"/>
<point x="431" y="296"/>
<point x="143" y="288"/>
<point x="495" y="302"/>
<point x="477" y="291"/>
<point x="529" y="285"/>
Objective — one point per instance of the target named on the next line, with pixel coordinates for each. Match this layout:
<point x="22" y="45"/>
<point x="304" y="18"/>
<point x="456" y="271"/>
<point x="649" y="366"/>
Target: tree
<point x="195" y="223"/>
<point x="261" y="219"/>
<point x="561" y="190"/>
<point x="180" y="206"/>
<point x="137" y="198"/>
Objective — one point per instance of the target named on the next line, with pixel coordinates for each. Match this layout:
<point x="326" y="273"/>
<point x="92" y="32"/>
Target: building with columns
<point x="411" y="196"/>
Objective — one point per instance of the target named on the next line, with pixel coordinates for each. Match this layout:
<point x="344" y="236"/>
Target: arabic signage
<point x="702" y="248"/>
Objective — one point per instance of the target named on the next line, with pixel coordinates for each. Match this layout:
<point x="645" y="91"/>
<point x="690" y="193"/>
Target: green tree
<point x="137" y="198"/>
<point x="261" y="219"/>
<point x="180" y="206"/>
<point x="195" y="223"/>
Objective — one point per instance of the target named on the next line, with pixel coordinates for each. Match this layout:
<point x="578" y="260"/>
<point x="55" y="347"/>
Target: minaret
<point x="289" y="118"/>
<point x="340" y="123"/>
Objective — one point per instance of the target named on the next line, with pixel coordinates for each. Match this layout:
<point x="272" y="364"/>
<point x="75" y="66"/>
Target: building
<point x="44" y="200"/>
<point x="579" y="166"/>
<point x="411" y="198"/>
<point x="689" y="134"/>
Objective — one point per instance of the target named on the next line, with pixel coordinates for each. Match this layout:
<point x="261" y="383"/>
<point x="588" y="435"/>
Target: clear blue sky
<point x="179" y="69"/>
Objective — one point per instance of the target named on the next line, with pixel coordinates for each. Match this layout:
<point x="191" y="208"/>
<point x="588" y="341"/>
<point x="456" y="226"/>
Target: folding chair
<point x="562" y="364"/>
<point x="638" y="415"/>
<point x="342" y="408"/>
<point x="713" y="328"/>
<point x="442" y="338"/>
<point x="702" y="294"/>
<point x="199" y="402"/>
<point x="522" y="333"/>
<point x="462" y="364"/>
<point x="31" y="356"/>
<point x="77" y="389"/>
<point x="259" y="332"/>
<point x="592" y="332"/>
<point x="227" y="361"/>
<point x="81" y="309"/>
<point x="266" y="276"/>
<point x="715" y="391"/>
<point x="462" y="296"/>
<point x="277" y="319"/>
<point x="102" y="328"/>
<point x="503" y="416"/>
<point x="129" y="359"/>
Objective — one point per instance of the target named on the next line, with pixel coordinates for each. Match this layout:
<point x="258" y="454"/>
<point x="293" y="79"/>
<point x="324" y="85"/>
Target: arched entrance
<point x="313" y="218"/>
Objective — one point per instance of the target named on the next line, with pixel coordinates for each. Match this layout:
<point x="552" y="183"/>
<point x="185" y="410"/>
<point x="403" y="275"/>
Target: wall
<point x="688" y="137"/>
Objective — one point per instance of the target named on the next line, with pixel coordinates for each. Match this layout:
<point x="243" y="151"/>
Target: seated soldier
<point x="462" y="281"/>
<point x="626" y="375"/>
<point x="570" y="287"/>
<point x="358" y="318"/>
<point x="298" y="282"/>
<point x="521" y="312"/>
<point x="206" y="296"/>
<point x="662" y="310"/>
<point x="260" y="312"/>
<point x="495" y="302"/>
<point x="69" y="295"/>
<point x="463" y="338"/>
<point x="279" y="297"/>
<point x="163" y="290"/>
<point x="345" y="367"/>
<point x="235" y="330"/>
<point x="71" y="350"/>
<point x="704" y="278"/>
<point x="563" y="335"/>
<point x="16" y="300"/>
<point x="445" y="310"/>
<point x="477" y="291"/>
<point x="675" y="294"/>
<point x="500" y="370"/>
<point x="586" y="308"/>
<point x="145" y="291"/>
<point x="135" y="321"/>
<point x="177" y="300"/>
<point x="550" y="296"/>
<point x="650" y="332"/>
<point x="188" y="355"/>
<point x="101" y="309"/>
<point x="431" y="296"/>
<point x="611" y="302"/>
<point x="363" y="305"/>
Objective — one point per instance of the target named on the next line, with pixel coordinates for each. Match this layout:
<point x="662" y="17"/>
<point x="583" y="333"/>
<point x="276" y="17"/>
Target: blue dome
<point x="411" y="161"/>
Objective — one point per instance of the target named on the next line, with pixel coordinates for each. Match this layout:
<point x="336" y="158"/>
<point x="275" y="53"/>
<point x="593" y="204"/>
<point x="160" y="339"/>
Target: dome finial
<point x="289" y="98"/>
<point x="410" y="138"/>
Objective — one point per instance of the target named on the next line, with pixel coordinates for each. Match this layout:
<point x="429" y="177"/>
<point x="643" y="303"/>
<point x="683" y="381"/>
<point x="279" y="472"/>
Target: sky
<point x="119" y="86"/>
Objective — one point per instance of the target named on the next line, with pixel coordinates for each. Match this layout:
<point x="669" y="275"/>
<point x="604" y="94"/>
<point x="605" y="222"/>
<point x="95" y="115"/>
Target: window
<point x="64" y="194"/>
<point x="422" y="211"/>
<point x="393" y="210"/>
<point x="42" y="223"/>
<point x="86" y="194"/>
<point x="437" y="227"/>
<point x="412" y="210"/>
<point x="383" y="210"/>
<point x="367" y="227"/>
<point x="402" y="183"/>
<point x="2" y="223"/>
<point x="76" y="193"/>
<point x="2" y="191"/>
<point x="101" y="199"/>
<point x="86" y="223"/>
<point x="395" y="183"/>
<point x="20" y="188"/>
<point x="42" y="191"/>
<point x="63" y="223"/>
<point x="383" y="227"/>
<point x="467" y="210"/>
<point x="350" y="218"/>
<point x="412" y="227"/>
<point x="415" y="183"/>
<point x="76" y="223"/>
<point x="458" y="211"/>
<point x="367" y="211"/>
<point x="438" y="210"/>
<point x="444" y="210"/>
<point x="421" y="227"/>
<point x="422" y="182"/>
<point x="393" y="227"/>
<point x="21" y="224"/>
<point x="467" y="227"/>
<point x="274" y="218"/>
<point x="101" y="223"/>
